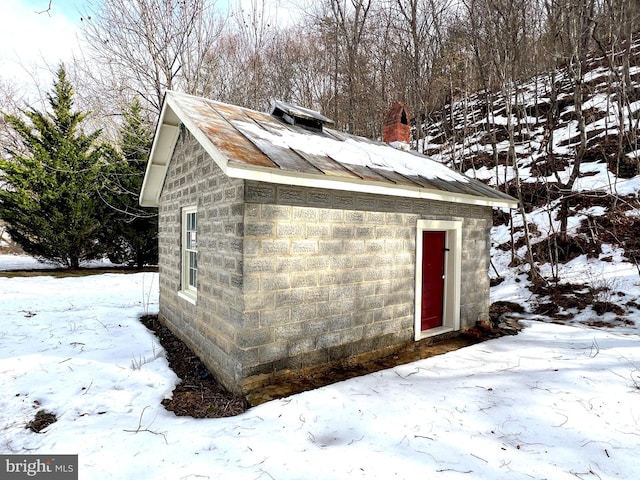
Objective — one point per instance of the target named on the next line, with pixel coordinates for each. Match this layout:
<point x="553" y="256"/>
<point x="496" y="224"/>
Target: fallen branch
<point x="140" y="429"/>
<point x="566" y="419"/>
<point x="479" y="458"/>
<point x="87" y="388"/>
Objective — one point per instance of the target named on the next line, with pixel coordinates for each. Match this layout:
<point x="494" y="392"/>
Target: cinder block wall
<point x="330" y="274"/>
<point x="293" y="277"/>
<point x="209" y="327"/>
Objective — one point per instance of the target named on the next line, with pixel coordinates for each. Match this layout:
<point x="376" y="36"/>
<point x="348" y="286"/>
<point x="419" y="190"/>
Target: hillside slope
<point x="591" y="273"/>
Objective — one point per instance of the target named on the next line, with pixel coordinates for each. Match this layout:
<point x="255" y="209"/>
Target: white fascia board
<point x="158" y="163"/>
<point x="270" y="175"/>
<point x="153" y="181"/>
<point x="164" y="142"/>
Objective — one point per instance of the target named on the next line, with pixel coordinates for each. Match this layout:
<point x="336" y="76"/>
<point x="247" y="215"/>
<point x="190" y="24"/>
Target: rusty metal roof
<point x="254" y="145"/>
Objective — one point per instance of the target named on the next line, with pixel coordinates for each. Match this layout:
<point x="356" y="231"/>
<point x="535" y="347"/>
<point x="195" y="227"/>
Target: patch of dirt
<point x="562" y="250"/>
<point x="617" y="322"/>
<point x="548" y="309"/>
<point x="603" y="307"/>
<point x="285" y="383"/>
<point x="42" y="420"/>
<point x="546" y="166"/>
<point x="558" y="301"/>
<point x="476" y="161"/>
<point x="534" y="194"/>
<point x="562" y="297"/>
<point x="500" y="217"/>
<point x="198" y="395"/>
<point x="611" y="150"/>
<point x="499" y="309"/>
<point x="616" y="227"/>
<point x="586" y="200"/>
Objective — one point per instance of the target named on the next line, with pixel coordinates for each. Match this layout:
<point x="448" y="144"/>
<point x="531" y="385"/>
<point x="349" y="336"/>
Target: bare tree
<point x="11" y="101"/>
<point x="255" y="31"/>
<point x="573" y="24"/>
<point x="419" y="35"/>
<point x="298" y="68"/>
<point x="512" y="30"/>
<point x="349" y="18"/>
<point x="614" y="35"/>
<point x="48" y="9"/>
<point x="146" y="47"/>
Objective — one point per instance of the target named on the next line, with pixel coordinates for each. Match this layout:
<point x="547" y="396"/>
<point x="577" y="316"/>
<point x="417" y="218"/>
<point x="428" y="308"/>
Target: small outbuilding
<point x="286" y="244"/>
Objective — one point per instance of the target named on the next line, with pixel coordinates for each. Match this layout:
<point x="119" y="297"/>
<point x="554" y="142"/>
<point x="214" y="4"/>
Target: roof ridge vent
<point x="300" y="116"/>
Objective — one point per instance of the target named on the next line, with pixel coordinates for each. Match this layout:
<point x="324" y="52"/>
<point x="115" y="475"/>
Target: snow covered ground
<point x="25" y="262"/>
<point x="554" y="402"/>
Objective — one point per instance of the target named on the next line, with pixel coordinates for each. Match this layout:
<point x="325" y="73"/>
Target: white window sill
<point x="191" y="297"/>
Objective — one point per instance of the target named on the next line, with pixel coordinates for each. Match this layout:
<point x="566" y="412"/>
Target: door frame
<point x="452" y="268"/>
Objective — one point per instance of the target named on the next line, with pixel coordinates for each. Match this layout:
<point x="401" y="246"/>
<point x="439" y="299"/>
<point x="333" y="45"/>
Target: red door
<point x="433" y="250"/>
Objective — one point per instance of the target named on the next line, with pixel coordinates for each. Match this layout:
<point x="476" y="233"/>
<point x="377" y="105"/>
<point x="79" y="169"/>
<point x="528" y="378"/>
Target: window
<point x="189" y="253"/>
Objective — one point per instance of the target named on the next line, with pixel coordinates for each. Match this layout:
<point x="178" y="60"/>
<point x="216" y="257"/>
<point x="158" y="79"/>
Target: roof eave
<point x="170" y="123"/>
<point x="164" y="142"/>
<point x="282" y="177"/>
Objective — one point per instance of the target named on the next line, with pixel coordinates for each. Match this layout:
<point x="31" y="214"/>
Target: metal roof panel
<point x="256" y="145"/>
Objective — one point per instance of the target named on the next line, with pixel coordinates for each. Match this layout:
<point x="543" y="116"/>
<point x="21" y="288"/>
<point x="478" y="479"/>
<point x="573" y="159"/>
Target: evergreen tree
<point x="50" y="198"/>
<point x="131" y="235"/>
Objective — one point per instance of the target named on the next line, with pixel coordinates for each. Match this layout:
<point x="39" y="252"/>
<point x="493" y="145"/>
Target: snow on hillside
<point x="592" y="280"/>
<point x="469" y="140"/>
<point x="553" y="402"/>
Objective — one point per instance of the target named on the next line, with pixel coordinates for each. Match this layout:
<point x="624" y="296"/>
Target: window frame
<point x="189" y="254"/>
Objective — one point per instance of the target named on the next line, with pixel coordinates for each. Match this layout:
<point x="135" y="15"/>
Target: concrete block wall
<point x="330" y="274"/>
<point x="293" y="277"/>
<point x="476" y="246"/>
<point x="210" y="326"/>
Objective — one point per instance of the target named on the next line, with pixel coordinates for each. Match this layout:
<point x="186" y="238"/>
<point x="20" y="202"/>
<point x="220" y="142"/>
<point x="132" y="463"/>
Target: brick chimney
<point x="396" y="126"/>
